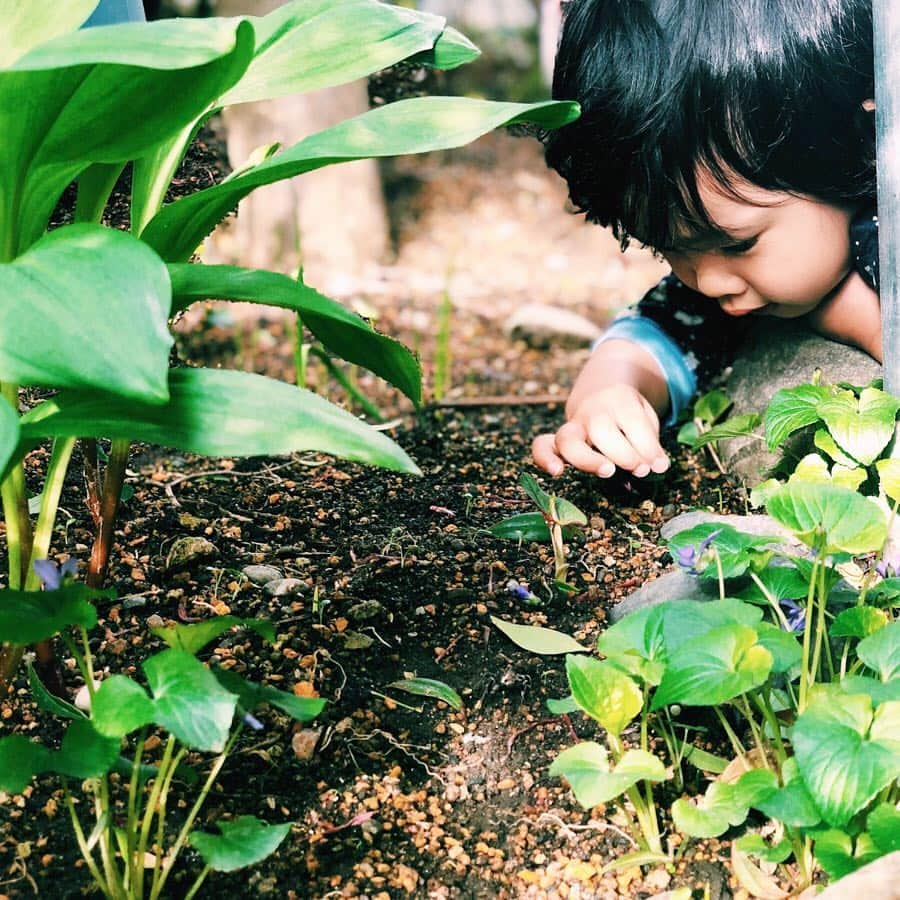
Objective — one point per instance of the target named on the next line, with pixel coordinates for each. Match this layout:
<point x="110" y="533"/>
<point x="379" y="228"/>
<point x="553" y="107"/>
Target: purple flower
<point x="53" y="576"/>
<point x="689" y="557"/>
<point x="888" y="567"/>
<point x="794" y="614"/>
<point x="253" y="722"/>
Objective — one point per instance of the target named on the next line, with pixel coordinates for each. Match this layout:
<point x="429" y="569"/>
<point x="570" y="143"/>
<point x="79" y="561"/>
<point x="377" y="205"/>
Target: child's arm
<point x="852" y="315"/>
<point x="612" y="416"/>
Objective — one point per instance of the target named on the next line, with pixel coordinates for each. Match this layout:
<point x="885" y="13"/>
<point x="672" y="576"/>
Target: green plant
<point x="798" y="662"/>
<point x="132" y="845"/>
<point x="93" y="305"/>
<point x="555" y="515"/>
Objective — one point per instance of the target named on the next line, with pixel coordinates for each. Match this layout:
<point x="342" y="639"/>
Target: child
<point x="737" y="139"/>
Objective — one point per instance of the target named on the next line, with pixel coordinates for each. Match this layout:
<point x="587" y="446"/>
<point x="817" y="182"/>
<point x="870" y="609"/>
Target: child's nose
<point x="715" y="277"/>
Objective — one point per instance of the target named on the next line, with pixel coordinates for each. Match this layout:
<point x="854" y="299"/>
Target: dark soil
<point x="392" y="795"/>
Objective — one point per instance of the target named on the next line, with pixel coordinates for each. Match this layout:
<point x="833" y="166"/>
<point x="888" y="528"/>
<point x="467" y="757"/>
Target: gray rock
<point x="542" y="325"/>
<point x="673" y="585"/>
<point x="262" y="574"/>
<point x="284" y="587"/>
<point x="781" y="354"/>
<point x="366" y="609"/>
<point x="188" y="550"/>
<point x="879" y="880"/>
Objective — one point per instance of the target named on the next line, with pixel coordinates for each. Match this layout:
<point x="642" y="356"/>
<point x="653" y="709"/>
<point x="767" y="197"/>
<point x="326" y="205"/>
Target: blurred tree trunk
<point x="333" y="220"/>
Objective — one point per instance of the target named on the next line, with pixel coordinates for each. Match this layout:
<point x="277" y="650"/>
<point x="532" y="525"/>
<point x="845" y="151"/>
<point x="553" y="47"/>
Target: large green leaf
<point x="217" y="412"/>
<point x="308" y="45"/>
<point x="709" y="539"/>
<point x="881" y="651"/>
<point x="862" y="427"/>
<point x="25" y="25"/>
<point x="418" y="125"/>
<point x="713" y="668"/>
<point x="344" y="333"/>
<point x="713" y="813"/>
<point x="243" y="842"/>
<point x="87" y="307"/>
<point x="842" y="518"/>
<point x="790" y="804"/>
<point x="587" y="768"/>
<point x="791" y="409"/>
<point x="839" y="854"/>
<point x="451" y="50"/>
<point x="189" y="701"/>
<point x="9" y="435"/>
<point x="846" y="753"/>
<point x="104" y="95"/>
<point x="604" y="692"/>
<point x="30" y="616"/>
<point x="120" y="706"/>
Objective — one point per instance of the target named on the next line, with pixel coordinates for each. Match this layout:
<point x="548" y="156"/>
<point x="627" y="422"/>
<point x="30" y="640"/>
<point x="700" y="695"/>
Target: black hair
<point x="768" y="91"/>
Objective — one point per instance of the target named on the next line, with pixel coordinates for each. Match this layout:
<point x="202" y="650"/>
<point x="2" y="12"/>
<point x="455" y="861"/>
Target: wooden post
<point x="886" y="17"/>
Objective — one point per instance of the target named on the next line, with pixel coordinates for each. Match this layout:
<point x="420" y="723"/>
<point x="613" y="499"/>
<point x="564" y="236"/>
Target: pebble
<point x="262" y="574"/>
<point x="284" y="587"/>
<point x="188" y="550"/>
<point x="303" y="743"/>
<point x="367" y="609"/>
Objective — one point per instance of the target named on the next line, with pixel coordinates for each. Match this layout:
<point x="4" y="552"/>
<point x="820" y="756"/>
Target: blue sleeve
<point x="680" y="378"/>
<point x="111" y="12"/>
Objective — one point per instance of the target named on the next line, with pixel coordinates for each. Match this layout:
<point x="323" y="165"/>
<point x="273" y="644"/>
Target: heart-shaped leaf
<point x="87" y="286"/>
<point x="862" y="427"/>
<point x="791" y="409"/>
<point x="858" y="622"/>
<point x="736" y="426"/>
<point x="342" y="332"/>
<point x="711" y="669"/>
<point x="120" y="706"/>
<point x="881" y="651"/>
<point x="783" y="645"/>
<point x="841" y="518"/>
<point x="713" y="813"/>
<point x="883" y="825"/>
<point x="604" y="692"/>
<point x="243" y="842"/>
<point x="216" y="412"/>
<point x="790" y="804"/>
<point x="587" y="768"/>
<point x="697" y="548"/>
<point x="845" y="753"/>
<point x="30" y="616"/>
<point x="839" y="855"/>
<point x="544" y="641"/>
<point x="889" y="478"/>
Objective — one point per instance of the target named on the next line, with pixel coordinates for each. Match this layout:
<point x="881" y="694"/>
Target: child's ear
<point x="868" y="105"/>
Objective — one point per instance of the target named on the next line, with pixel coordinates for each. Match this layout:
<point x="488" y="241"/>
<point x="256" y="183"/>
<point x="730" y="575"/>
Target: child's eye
<point x="740" y="247"/>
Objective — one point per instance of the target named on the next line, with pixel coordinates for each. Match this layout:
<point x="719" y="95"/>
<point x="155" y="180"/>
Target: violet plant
<point x="90" y="307"/>
<point x="798" y="662"/>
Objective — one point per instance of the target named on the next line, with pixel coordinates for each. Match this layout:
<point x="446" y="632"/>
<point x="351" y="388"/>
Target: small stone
<point x="284" y="587"/>
<point x="188" y="550"/>
<point x="262" y="574"/>
<point x="353" y="640"/>
<point x="83" y="697"/>
<point x="367" y="609"/>
<point x="304" y="742"/>
<point x="543" y="325"/>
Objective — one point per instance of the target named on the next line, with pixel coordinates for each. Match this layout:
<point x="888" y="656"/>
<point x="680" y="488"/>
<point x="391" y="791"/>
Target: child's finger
<point x="543" y="452"/>
<point x="606" y="435"/>
<point x="574" y="446"/>
<point x="641" y="429"/>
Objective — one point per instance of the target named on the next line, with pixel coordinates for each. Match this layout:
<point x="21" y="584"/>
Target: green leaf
<point x="84" y="286"/>
<point x="756" y="845"/>
<point x="878" y="691"/>
<point x="530" y="526"/>
<point x="25" y="25"/>
<point x="189" y="701"/>
<point x="846" y="754"/>
<point x="544" y="641"/>
<point x="783" y="582"/>
<point x="562" y="705"/>
<point x="837" y="854"/>
<point x="9" y="436"/>
<point x="85" y="752"/>
<point x="20" y="760"/>
<point x="251" y="695"/>
<point x="194" y="637"/>
<point x="862" y="427"/>
<point x="827" y="444"/>
<point x="736" y="426"/>
<point x="812" y="469"/>
<point x="889" y="477"/>
<point x="713" y="814"/>
<point x="883" y="825"/>
<point x="604" y="692"/>
<point x="782" y="645"/>
<point x="429" y="687"/>
<point x="790" y="804"/>
<point x="844" y="519"/>
<point x="451" y="51"/>
<point x="309" y="45"/>
<point x="688" y="434"/>
<point x="418" y="125"/>
<point x="342" y="332"/>
<point x="243" y="842"/>
<point x="566" y="513"/>
<point x="121" y="706"/>
<point x="538" y="496"/>
<point x="716" y="667"/>
<point x="881" y="651"/>
<point x="587" y="769"/>
<point x="104" y="95"/>
<point x="712" y="406"/>
<point x="49" y="702"/>
<point x="30" y="616"/>
<point x="858" y="622"/>
<point x="215" y="412"/>
<point x="791" y="409"/>
<point x="734" y="548"/>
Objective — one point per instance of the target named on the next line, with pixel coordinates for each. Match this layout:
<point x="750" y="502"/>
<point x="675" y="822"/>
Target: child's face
<point x="776" y="254"/>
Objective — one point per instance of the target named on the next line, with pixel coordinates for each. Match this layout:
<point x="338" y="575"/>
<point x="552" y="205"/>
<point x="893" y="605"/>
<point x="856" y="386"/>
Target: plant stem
<point x="736" y="744"/>
<point x="159" y="849"/>
<point x="820" y="603"/>
<point x="765" y="707"/>
<point x="102" y="813"/>
<point x="149" y="811"/>
<point x="782" y="618"/>
<point x="369" y="408"/>
<point x="113" y="480"/>
<point x="755" y="731"/>
<point x="192" y="815"/>
<point x="720" y="573"/>
<point x="807" y="637"/>
<point x="131" y="824"/>
<point x="86" y="853"/>
<point x="196" y="885"/>
<point x="301" y="353"/>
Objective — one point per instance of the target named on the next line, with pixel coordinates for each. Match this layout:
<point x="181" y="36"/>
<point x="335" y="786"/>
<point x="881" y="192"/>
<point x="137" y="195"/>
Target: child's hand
<point x="614" y="426"/>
